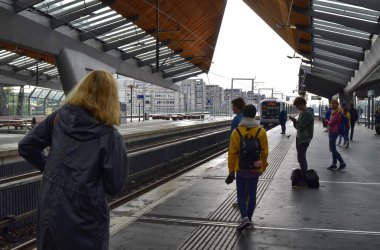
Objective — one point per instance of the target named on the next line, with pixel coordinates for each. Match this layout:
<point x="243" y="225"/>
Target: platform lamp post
<point x="131" y="86"/>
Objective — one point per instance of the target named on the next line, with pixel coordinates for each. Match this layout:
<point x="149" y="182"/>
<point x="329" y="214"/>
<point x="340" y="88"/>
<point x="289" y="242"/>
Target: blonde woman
<point x="87" y="160"/>
<point x="333" y="127"/>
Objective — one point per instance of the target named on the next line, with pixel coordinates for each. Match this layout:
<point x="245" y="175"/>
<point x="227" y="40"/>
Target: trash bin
<point x="146" y="117"/>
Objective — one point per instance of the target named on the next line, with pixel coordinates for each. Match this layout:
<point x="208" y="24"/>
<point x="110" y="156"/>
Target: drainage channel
<point x="218" y="231"/>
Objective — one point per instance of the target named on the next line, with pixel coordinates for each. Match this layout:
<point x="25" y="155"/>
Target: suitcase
<point x="296" y="176"/>
<point x="312" y="179"/>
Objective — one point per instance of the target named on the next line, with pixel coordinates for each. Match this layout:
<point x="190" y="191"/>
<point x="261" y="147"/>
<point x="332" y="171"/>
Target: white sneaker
<point x="245" y="222"/>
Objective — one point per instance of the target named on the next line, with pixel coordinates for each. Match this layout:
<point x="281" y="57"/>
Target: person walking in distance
<point x="87" y="160"/>
<point x="283" y="117"/>
<point x="354" y="118"/>
<point x="333" y="127"/>
<point x="305" y="131"/>
<point x="247" y="157"/>
<point x="377" y="121"/>
<point x="346" y="130"/>
<point x="238" y="105"/>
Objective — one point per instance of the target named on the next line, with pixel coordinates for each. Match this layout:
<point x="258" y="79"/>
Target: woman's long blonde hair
<point x="97" y="93"/>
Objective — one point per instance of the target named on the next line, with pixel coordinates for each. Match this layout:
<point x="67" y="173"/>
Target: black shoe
<point x="342" y="166"/>
<point x="332" y="167"/>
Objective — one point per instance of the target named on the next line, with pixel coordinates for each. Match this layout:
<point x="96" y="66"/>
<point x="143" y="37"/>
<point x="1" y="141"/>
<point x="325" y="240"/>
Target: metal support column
<point x="369" y="113"/>
<point x="158" y="36"/>
<point x="373" y="113"/>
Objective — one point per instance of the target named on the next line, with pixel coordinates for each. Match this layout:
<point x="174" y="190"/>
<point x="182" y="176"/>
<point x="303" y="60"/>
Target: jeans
<point x="283" y="127"/>
<point x="352" y="130"/>
<point x="345" y="137"/>
<point x="335" y="154"/>
<point x="301" y="156"/>
<point x="246" y="185"/>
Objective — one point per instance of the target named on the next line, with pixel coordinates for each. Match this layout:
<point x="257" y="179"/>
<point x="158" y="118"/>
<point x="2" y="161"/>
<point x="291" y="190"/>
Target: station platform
<point x="194" y="211"/>
<point x="131" y="132"/>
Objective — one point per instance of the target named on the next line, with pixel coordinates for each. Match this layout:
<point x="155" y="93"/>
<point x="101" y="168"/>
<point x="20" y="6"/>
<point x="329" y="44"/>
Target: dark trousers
<point x="283" y="127"/>
<point x="335" y="154"/>
<point x="377" y="128"/>
<point x="301" y="156"/>
<point x="246" y="185"/>
<point x="352" y="130"/>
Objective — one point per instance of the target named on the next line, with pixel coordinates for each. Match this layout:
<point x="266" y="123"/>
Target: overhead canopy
<point x="334" y="35"/>
<point x="188" y="31"/>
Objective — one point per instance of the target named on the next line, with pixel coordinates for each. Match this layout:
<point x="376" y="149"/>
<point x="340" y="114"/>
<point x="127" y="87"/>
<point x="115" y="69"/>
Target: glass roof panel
<point x="58" y="95"/>
<point x="36" y="92"/>
<point x="52" y="94"/>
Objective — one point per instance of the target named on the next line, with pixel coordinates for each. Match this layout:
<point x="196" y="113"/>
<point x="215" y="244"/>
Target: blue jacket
<point x="283" y="116"/>
<point x="87" y="160"/>
<point x="328" y="115"/>
<point x="236" y="121"/>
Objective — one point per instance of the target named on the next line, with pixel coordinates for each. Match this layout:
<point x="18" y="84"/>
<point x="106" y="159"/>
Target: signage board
<point x="314" y="97"/>
<point x="371" y="93"/>
<point x="140" y="96"/>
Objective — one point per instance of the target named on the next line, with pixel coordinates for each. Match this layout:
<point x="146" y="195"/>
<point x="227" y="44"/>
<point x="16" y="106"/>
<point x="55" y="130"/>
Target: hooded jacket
<point x="87" y="160"/>
<point x="305" y="126"/>
<point x="247" y="126"/>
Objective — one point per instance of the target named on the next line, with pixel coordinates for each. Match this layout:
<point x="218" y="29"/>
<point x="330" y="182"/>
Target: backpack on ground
<point x="312" y="179"/>
<point x="343" y="127"/>
<point x="296" y="176"/>
<point x="250" y="150"/>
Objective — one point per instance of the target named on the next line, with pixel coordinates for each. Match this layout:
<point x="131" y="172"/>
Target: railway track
<point x="135" y="190"/>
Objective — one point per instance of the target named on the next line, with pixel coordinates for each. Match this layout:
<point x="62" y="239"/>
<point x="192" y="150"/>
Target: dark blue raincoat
<point x="87" y="160"/>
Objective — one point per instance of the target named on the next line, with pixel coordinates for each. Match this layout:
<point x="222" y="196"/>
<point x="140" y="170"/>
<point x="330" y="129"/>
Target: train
<point x="270" y="111"/>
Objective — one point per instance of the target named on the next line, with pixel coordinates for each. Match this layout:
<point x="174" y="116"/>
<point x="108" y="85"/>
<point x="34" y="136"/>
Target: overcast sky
<point x="248" y="47"/>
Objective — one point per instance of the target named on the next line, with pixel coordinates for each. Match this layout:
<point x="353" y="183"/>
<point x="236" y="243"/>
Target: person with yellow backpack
<point x="247" y="158"/>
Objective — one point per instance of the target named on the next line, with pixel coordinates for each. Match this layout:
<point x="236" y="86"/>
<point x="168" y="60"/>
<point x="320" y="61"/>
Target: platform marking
<point x="232" y="224"/>
<point x="349" y="182"/>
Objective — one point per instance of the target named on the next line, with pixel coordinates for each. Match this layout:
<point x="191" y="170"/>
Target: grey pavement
<point x="342" y="214"/>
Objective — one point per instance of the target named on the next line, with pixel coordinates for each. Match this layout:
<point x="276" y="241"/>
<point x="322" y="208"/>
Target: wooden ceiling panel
<point x="27" y="52"/>
<point x="199" y="23"/>
<point x="275" y="13"/>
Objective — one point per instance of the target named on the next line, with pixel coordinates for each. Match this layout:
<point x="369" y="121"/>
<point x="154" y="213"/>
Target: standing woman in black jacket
<point x="87" y="160"/>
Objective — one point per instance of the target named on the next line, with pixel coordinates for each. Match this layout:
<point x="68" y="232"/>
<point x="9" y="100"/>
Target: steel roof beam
<point x="344" y="10"/>
<point x="181" y="78"/>
<point x="369" y="4"/>
<point x="104" y="29"/>
<point x="335" y="60"/>
<point x="24" y="67"/>
<point x="62" y="20"/>
<point x="340" y="78"/>
<point x="178" y="71"/>
<point x="9" y="59"/>
<point x="359" y="56"/>
<point x="31" y="32"/>
<point x="354" y="41"/>
<point x="114" y="45"/>
<point x="346" y="21"/>
<point x="128" y="55"/>
<point x="175" y="64"/>
<point x="326" y="65"/>
<point x="152" y="60"/>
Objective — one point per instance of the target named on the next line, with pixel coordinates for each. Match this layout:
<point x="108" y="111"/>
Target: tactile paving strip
<point x="218" y="232"/>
